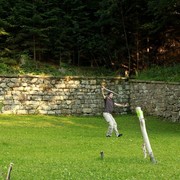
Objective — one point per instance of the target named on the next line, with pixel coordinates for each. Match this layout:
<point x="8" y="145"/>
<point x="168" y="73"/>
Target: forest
<point x="117" y="34"/>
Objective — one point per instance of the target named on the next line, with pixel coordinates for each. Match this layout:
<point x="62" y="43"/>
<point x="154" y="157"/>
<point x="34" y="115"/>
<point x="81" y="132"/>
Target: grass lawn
<point x="52" y="147"/>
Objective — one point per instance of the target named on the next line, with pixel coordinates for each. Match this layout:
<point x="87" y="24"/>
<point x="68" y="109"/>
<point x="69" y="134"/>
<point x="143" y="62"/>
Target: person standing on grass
<point x="107" y="114"/>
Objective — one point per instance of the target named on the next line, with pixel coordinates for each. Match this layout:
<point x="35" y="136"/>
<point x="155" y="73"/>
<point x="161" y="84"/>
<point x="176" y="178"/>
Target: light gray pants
<point x="112" y="124"/>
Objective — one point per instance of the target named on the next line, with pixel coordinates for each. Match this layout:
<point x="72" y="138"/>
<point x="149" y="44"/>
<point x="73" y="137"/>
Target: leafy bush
<point x="28" y="66"/>
<point x="3" y="68"/>
<point x="164" y="73"/>
<point x="8" y="61"/>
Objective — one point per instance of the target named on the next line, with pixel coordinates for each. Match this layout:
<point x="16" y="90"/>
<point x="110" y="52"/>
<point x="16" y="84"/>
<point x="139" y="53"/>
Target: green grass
<point x="52" y="147"/>
<point x="168" y="74"/>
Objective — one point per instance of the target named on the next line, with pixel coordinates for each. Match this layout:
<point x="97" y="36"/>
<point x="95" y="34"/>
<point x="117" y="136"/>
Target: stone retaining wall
<point x="82" y="96"/>
<point x="156" y="98"/>
<point x="58" y="95"/>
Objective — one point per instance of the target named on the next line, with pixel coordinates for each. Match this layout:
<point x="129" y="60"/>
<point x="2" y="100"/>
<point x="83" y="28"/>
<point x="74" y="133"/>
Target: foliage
<point x="156" y="73"/>
<point x="110" y="33"/>
<point x="8" y="61"/>
<point x="27" y="68"/>
<point x="164" y="12"/>
<point x="52" y="147"/>
<point x="3" y="67"/>
<point x="171" y="74"/>
<point x="1" y="105"/>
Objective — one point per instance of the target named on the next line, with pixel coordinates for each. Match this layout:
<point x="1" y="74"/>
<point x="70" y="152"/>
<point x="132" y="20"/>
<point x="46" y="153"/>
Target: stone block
<point x="22" y="111"/>
<point x="87" y="110"/>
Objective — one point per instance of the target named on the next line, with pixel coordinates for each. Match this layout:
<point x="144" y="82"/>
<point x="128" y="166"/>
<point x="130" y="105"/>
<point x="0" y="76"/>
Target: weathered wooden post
<point x="9" y="171"/>
<point x="146" y="144"/>
<point x="102" y="155"/>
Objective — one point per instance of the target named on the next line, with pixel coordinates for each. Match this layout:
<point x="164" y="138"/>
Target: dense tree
<point x="112" y="33"/>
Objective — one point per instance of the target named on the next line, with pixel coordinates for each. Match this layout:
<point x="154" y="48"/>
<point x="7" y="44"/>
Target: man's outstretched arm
<point x="121" y="105"/>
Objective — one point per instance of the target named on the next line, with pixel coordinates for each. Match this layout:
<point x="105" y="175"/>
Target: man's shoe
<point x="108" y="136"/>
<point x="119" y="135"/>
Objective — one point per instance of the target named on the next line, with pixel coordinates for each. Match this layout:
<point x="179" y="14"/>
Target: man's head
<point x="110" y="94"/>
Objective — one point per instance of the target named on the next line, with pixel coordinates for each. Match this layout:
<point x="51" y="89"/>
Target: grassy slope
<point x="49" y="147"/>
<point x="157" y="73"/>
<point x="169" y="74"/>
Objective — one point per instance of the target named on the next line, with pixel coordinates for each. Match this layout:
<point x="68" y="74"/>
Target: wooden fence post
<point x="9" y="171"/>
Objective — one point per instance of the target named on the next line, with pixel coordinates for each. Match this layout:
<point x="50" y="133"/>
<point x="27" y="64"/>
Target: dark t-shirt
<point x="109" y="105"/>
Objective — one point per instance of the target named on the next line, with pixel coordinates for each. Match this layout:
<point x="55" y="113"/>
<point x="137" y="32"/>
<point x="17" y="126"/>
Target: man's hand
<point x="126" y="104"/>
<point x="102" y="88"/>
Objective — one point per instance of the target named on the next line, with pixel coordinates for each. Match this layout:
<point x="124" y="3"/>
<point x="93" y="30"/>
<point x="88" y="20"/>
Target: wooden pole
<point x="9" y="171"/>
<point x="147" y="144"/>
<point x="111" y="91"/>
<point x="102" y="155"/>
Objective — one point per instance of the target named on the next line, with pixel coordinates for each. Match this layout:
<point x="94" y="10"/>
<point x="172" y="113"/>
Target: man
<point x="107" y="114"/>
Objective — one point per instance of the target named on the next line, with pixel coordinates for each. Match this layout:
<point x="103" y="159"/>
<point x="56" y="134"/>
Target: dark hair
<point x="109" y="93"/>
